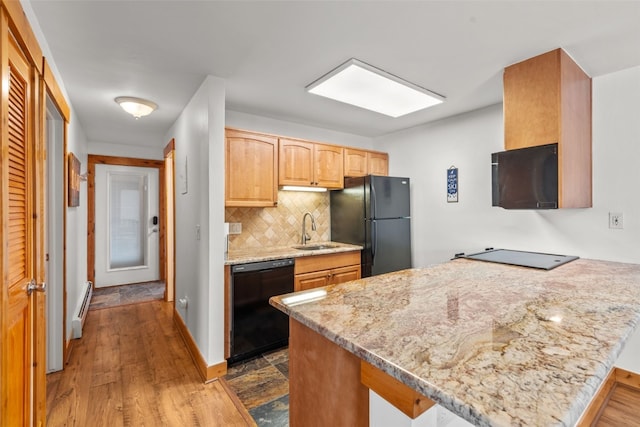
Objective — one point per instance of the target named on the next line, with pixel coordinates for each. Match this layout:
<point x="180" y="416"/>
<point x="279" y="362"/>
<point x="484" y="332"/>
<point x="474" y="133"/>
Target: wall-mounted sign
<point x="452" y="184"/>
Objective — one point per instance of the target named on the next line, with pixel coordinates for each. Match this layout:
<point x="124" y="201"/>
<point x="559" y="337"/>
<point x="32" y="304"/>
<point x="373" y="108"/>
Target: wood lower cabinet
<point x="364" y="162"/>
<point x="322" y="270"/>
<point x="345" y="274"/>
<point x="309" y="164"/>
<point x="311" y="280"/>
<point x="320" y="278"/>
<point x="251" y="169"/>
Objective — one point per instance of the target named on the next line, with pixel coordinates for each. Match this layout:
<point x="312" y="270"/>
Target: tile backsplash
<point x="281" y="225"/>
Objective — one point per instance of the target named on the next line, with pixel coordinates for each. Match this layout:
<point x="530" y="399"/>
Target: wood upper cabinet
<point x="547" y="99"/>
<point x="296" y="162"/>
<point x="364" y="162"/>
<point x="251" y="169"/>
<point x="322" y="270"/>
<point x="328" y="163"/>
<point x="305" y="163"/>
<point x="355" y="162"/>
<point x="378" y="163"/>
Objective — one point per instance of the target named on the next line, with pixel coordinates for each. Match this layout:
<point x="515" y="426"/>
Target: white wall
<point x="441" y="229"/>
<point x="76" y="232"/>
<point x="629" y="359"/>
<point x="294" y="130"/>
<point x="127" y="150"/>
<point x="199" y="142"/>
<point x="76" y="249"/>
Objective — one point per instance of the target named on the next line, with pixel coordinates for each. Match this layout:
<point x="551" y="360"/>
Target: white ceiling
<point x="267" y="52"/>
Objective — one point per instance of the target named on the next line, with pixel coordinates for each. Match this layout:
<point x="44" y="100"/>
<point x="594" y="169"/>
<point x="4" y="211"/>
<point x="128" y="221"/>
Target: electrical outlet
<point x="235" y="227"/>
<point x="615" y="220"/>
<point x="183" y="302"/>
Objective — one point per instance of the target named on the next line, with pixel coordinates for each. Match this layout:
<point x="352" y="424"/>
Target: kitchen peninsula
<point x="497" y="345"/>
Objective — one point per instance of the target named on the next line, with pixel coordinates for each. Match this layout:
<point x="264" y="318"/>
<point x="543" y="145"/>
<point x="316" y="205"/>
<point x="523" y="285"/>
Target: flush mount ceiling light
<point x="137" y="107"/>
<point x="365" y="86"/>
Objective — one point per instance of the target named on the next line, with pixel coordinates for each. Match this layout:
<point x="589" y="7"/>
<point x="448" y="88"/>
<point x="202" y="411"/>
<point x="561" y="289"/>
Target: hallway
<point x="131" y="368"/>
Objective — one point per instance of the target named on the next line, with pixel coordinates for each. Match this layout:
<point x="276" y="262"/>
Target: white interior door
<point x="55" y="238"/>
<point x="126" y="225"/>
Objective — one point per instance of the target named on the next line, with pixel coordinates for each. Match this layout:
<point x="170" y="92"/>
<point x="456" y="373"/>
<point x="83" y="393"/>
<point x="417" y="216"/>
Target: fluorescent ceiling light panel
<point x="365" y="86"/>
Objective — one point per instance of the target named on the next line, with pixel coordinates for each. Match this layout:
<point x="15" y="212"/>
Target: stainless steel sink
<point x="315" y="247"/>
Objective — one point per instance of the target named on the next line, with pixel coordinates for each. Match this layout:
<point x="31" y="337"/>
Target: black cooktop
<point x="521" y="258"/>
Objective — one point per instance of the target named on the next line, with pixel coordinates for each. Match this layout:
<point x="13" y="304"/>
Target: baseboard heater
<point x="78" y="320"/>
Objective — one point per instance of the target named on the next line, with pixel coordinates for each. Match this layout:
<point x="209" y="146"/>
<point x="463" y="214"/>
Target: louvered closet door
<point x="17" y="240"/>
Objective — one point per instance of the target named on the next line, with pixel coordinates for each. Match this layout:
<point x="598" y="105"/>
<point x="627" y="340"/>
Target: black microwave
<point x="526" y="178"/>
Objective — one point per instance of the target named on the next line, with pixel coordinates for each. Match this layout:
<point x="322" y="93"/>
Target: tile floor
<point x="114" y="296"/>
<point x="262" y="385"/>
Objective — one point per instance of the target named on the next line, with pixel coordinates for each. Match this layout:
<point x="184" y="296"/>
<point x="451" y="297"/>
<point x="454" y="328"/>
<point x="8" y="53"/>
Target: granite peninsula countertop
<point x="498" y="345"/>
<point x="279" y="252"/>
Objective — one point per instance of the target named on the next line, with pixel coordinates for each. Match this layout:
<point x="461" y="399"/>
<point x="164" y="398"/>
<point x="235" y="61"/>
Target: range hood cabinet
<point x="547" y="99"/>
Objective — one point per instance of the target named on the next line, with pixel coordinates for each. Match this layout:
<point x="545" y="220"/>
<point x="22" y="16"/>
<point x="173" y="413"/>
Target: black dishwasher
<point x="257" y="327"/>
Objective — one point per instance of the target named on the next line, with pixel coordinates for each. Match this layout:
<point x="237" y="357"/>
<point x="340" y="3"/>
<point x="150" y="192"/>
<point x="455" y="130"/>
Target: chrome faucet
<point x="305" y="237"/>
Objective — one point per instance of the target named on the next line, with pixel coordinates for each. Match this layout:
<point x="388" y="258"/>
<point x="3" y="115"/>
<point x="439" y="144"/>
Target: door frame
<point x="94" y="160"/>
<point x="54" y="137"/>
<point x="54" y="94"/>
<point x="170" y="202"/>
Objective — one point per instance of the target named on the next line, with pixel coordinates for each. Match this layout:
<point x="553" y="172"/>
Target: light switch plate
<point x="235" y="227"/>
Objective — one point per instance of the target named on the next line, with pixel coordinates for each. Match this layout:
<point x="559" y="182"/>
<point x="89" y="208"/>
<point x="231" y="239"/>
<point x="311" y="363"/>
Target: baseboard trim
<point x="599" y="400"/>
<point x="627" y="378"/>
<point x="67" y="351"/>
<point x="207" y="372"/>
<point x="616" y="376"/>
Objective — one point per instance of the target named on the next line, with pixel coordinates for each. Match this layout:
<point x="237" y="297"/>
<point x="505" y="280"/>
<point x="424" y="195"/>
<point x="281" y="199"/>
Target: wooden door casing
<point x="23" y="213"/>
<point x="94" y="160"/>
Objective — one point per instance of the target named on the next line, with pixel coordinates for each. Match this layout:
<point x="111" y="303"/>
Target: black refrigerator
<point x="374" y="212"/>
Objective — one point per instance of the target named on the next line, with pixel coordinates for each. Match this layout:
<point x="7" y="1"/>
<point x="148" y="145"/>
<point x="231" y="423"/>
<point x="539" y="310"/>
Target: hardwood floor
<point x="621" y="409"/>
<point x="131" y="368"/>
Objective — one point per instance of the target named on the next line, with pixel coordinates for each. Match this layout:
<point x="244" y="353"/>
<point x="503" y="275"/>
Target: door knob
<point x="33" y="286"/>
